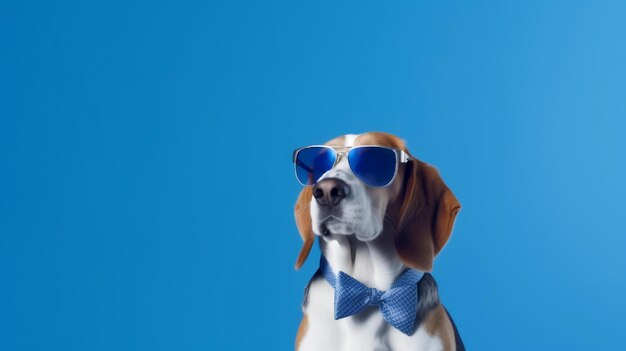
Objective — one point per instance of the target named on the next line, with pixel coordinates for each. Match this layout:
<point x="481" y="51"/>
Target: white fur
<point x="350" y="138"/>
<point x="367" y="256"/>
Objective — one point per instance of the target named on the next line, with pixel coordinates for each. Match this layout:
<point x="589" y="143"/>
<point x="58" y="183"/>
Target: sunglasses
<point x="376" y="166"/>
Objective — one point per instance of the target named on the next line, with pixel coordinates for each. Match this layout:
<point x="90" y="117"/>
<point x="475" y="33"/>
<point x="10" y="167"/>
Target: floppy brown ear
<point x="427" y="216"/>
<point x="302" y="213"/>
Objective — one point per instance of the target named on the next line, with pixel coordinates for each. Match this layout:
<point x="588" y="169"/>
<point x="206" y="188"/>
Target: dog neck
<point x="374" y="263"/>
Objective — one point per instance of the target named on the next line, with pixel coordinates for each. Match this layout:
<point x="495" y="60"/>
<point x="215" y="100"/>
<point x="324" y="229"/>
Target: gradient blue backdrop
<point x="146" y="185"/>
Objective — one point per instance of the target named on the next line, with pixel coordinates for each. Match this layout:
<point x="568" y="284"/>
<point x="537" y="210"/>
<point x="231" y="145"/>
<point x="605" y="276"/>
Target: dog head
<point x="417" y="204"/>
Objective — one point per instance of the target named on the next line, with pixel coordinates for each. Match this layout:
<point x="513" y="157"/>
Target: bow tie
<point x="398" y="304"/>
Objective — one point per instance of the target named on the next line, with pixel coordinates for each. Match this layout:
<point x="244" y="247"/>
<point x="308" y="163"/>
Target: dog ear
<point x="302" y="212"/>
<point x="427" y="216"/>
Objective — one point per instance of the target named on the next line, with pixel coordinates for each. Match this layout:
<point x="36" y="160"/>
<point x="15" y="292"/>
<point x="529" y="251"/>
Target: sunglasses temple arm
<point x="404" y="157"/>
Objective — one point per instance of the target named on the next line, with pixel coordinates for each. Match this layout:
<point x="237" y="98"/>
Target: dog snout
<point x="330" y="191"/>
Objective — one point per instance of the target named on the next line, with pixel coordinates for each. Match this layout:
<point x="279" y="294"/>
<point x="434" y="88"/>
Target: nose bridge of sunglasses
<point x="341" y="155"/>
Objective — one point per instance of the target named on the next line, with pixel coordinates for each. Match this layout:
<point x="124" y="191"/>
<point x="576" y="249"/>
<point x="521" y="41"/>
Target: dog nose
<point x="330" y="191"/>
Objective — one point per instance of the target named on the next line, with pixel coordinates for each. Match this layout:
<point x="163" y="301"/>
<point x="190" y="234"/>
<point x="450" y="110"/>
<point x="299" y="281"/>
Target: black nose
<point x="330" y="191"/>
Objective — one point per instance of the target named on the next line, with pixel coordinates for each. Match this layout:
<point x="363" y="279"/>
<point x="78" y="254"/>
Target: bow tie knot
<point x="398" y="304"/>
<point x="376" y="297"/>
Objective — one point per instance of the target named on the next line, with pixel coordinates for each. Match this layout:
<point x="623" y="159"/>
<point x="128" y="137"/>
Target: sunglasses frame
<point x="401" y="157"/>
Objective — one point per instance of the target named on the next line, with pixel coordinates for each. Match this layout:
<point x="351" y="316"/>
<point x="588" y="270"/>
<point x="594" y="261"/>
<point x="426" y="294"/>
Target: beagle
<point x="373" y="235"/>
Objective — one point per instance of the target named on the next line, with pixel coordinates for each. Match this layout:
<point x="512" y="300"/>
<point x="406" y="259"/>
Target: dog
<point x="372" y="232"/>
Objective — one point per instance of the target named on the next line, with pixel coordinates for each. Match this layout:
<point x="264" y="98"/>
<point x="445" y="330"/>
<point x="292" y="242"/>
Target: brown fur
<point x="426" y="217"/>
<point x="438" y="323"/>
<point x="304" y="325"/>
<point x="303" y="221"/>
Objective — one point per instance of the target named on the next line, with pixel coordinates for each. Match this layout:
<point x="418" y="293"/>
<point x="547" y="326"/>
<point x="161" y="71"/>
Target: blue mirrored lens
<point x="313" y="162"/>
<point x="375" y="166"/>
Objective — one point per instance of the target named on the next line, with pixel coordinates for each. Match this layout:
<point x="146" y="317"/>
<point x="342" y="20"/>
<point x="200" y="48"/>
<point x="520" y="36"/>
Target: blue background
<point x="146" y="185"/>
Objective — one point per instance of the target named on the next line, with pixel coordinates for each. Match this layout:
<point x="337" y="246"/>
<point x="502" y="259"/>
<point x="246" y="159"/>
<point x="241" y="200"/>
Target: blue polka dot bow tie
<point x="398" y="304"/>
